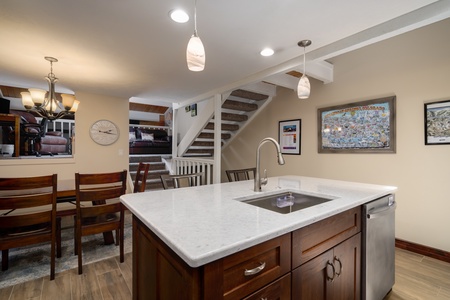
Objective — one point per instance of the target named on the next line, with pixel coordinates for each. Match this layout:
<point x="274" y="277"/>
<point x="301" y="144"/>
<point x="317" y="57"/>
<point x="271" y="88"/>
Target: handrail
<point x="189" y="165"/>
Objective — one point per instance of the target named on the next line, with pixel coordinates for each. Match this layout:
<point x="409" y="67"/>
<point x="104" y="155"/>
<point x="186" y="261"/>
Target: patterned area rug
<point x="33" y="262"/>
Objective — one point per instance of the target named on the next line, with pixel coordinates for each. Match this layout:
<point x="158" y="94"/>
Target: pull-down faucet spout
<point x="258" y="181"/>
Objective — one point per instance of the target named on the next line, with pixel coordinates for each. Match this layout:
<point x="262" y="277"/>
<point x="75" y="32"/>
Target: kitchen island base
<point x="327" y="252"/>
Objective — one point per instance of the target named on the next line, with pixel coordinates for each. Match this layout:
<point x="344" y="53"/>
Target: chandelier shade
<point x="44" y="103"/>
<point x="304" y="87"/>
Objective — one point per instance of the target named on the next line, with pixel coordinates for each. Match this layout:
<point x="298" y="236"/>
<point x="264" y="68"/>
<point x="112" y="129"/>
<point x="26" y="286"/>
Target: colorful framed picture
<point x="437" y="123"/>
<point x="361" y="127"/>
<point x="289" y="136"/>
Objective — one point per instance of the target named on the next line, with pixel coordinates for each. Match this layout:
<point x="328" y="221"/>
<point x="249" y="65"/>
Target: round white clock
<point x="104" y="132"/>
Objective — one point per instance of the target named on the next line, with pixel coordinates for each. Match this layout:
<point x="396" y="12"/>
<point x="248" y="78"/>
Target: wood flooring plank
<point x="58" y="289"/>
<point x="5" y="293"/>
<point x="85" y="286"/>
<point x="29" y="290"/>
<point x="127" y="269"/>
<point x="106" y="265"/>
<point x="113" y="286"/>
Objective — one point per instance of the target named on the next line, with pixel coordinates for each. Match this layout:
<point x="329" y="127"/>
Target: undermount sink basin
<point x="286" y="202"/>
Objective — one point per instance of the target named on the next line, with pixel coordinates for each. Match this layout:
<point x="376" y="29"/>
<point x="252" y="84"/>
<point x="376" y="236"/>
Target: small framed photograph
<point x="437" y="123"/>
<point x="366" y="126"/>
<point x="193" y="110"/>
<point x="289" y="136"/>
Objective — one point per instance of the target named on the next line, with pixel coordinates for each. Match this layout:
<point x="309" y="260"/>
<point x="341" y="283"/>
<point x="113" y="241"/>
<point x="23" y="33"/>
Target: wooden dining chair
<point x="141" y="177"/>
<point x="179" y="181"/>
<point x="241" y="174"/>
<point x="28" y="215"/>
<point x="99" y="209"/>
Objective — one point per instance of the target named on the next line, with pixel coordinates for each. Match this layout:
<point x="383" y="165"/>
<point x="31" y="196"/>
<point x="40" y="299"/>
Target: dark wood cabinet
<point x="334" y="274"/>
<point x="319" y="261"/>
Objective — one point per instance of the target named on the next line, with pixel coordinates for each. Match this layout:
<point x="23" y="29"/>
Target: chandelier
<point x="49" y="107"/>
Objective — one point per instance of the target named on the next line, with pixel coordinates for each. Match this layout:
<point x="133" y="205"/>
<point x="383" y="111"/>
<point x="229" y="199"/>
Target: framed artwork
<point x="289" y="136"/>
<point x="437" y="123"/>
<point x="193" y="110"/>
<point x="360" y="127"/>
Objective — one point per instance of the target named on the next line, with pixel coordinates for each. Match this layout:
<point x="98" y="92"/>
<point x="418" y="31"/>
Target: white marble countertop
<point x="206" y="223"/>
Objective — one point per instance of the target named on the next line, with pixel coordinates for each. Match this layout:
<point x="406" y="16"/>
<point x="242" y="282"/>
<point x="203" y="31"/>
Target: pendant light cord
<point x="304" y="61"/>
<point x="195" y="18"/>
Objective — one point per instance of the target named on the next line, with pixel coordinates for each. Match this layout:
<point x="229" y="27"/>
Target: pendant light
<point x="195" y="53"/>
<point x="304" y="87"/>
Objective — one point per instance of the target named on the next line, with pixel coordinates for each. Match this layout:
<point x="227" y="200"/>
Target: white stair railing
<point x="189" y="165"/>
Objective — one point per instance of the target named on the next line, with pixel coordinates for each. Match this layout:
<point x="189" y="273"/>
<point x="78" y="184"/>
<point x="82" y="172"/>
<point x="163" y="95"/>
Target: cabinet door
<point x="335" y="274"/>
<point x="313" y="279"/>
<point x="347" y="263"/>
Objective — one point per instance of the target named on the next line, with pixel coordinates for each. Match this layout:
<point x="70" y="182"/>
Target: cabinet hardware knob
<point x="332" y="268"/>
<point x="255" y="270"/>
<point x="340" y="266"/>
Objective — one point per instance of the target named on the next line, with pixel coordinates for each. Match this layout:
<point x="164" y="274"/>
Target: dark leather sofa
<point x="149" y="141"/>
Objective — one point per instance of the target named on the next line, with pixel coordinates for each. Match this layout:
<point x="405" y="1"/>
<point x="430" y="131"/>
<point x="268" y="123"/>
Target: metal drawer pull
<point x="340" y="266"/>
<point x="334" y="271"/>
<point x="255" y="270"/>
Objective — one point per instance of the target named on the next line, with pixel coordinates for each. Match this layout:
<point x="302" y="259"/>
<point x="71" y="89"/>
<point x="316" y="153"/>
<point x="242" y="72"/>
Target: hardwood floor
<point x="417" y="277"/>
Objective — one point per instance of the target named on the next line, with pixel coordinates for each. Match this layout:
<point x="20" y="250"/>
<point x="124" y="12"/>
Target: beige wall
<point x="89" y="157"/>
<point x="416" y="68"/>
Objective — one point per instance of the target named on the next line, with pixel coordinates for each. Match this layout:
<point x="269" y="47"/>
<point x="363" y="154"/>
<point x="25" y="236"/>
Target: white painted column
<point x="217" y="137"/>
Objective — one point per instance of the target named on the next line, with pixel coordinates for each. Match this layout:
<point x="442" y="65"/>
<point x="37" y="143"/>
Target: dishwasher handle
<point x="376" y="213"/>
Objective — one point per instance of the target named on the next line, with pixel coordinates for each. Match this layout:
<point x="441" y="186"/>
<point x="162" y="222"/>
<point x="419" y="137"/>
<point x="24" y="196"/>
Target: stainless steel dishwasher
<point x="378" y="248"/>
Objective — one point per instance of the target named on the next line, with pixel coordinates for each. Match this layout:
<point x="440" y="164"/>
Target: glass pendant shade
<point x="38" y="96"/>
<point x="74" y="107"/>
<point x="67" y="101"/>
<point x="195" y="54"/>
<point x="27" y="102"/>
<point x="303" y="88"/>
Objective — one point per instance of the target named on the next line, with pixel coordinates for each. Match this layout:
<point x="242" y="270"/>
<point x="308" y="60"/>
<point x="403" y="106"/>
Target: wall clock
<point x="104" y="132"/>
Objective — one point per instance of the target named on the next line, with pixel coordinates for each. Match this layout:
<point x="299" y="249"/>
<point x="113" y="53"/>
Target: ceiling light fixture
<point x="304" y="87"/>
<point x="49" y="107"/>
<point x="195" y="53"/>
<point x="179" y="16"/>
<point x="267" y="52"/>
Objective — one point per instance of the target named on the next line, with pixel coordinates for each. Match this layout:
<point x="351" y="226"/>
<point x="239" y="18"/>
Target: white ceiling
<point x="132" y="48"/>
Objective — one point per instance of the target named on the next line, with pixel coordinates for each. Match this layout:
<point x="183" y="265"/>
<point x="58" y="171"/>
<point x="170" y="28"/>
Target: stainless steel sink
<point x="286" y="202"/>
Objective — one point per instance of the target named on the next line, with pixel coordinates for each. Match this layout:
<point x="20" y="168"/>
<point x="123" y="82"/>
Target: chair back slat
<point x="180" y="181"/>
<point x="25" y="201"/>
<point x="14" y="221"/>
<point x="241" y="174"/>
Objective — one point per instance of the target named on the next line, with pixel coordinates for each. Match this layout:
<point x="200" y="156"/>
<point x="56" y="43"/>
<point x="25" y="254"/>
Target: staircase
<point x="157" y="168"/>
<point x="237" y="110"/>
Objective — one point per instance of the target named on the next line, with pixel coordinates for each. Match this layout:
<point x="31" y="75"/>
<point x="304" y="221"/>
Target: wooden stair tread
<point x="239" y="105"/>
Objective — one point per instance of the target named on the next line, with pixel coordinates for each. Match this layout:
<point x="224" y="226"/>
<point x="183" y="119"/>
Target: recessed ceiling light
<point x="267" y="52"/>
<point x="179" y="16"/>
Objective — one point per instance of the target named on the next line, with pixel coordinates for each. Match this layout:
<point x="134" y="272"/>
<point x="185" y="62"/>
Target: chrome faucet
<point x="258" y="181"/>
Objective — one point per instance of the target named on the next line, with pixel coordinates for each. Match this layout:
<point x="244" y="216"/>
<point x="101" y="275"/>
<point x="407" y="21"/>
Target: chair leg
<point x="121" y="237"/>
<point x="58" y="237"/>
<point x="80" y="262"/>
<point x="52" y="261"/>
<point x="5" y="259"/>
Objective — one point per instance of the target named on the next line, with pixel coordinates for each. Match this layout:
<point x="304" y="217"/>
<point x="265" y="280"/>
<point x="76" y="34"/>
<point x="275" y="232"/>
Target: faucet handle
<point x="264" y="180"/>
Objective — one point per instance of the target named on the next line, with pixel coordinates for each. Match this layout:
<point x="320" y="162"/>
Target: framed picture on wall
<point x="437" y="123"/>
<point x="361" y="127"/>
<point x="289" y="136"/>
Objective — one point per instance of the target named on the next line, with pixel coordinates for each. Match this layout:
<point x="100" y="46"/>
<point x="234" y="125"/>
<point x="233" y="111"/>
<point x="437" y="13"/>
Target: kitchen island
<point x="193" y="242"/>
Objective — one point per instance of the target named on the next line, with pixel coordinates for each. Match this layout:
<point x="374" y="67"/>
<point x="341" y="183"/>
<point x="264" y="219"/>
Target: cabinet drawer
<point x="280" y="289"/>
<point x="310" y="241"/>
<point x="253" y="268"/>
